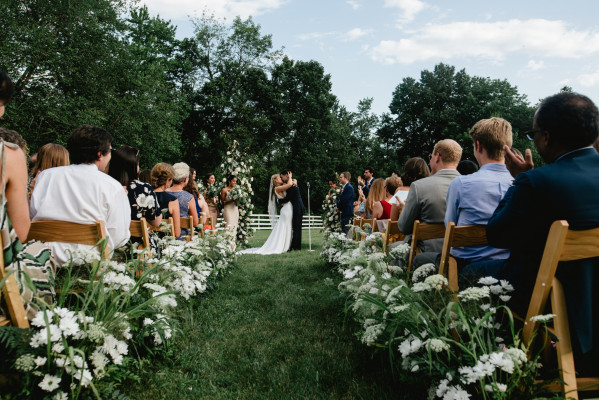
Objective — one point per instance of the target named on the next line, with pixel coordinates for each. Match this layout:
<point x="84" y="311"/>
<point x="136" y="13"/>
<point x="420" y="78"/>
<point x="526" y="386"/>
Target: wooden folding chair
<point x="392" y="235"/>
<point x="12" y="297"/>
<point x="170" y="223"/>
<point x="356" y="223"/>
<point x="140" y="229"/>
<point x="459" y="236"/>
<point x="562" y="244"/>
<point x="423" y="232"/>
<point x="187" y="223"/>
<point x="69" y="232"/>
<point x="373" y="225"/>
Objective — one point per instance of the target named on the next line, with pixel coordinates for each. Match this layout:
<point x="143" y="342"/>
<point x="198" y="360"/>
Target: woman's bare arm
<point x="173" y="209"/>
<point x="193" y="211"/>
<point x="17" y="205"/>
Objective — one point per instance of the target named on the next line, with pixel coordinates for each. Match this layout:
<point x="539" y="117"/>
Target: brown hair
<point x="161" y="173"/>
<point x="449" y="150"/>
<point x="492" y="134"/>
<point x="415" y="168"/>
<point x="50" y="155"/>
<point x="346" y="174"/>
<point x="392" y="183"/>
<point x="10" y="136"/>
<point x="376" y="193"/>
<point x="191" y="186"/>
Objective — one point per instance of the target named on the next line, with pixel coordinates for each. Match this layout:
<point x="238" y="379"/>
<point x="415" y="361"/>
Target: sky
<point x="369" y="47"/>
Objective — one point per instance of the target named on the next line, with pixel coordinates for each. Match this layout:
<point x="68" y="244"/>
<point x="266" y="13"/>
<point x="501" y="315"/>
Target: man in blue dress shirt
<point x="472" y="199"/>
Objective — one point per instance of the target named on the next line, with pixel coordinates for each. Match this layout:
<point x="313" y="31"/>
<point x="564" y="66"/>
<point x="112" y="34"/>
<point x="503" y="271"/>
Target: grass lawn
<point x="273" y="329"/>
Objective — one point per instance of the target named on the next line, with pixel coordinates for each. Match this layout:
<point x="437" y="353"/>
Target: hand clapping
<point x="517" y="164"/>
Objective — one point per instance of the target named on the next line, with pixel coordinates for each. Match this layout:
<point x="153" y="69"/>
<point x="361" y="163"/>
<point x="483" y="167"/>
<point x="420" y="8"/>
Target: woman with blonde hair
<point x="162" y="178"/>
<point x="375" y="195"/>
<point x="49" y="156"/>
<point x="279" y="240"/>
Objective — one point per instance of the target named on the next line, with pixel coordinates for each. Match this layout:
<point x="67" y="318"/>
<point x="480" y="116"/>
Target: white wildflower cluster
<point x="423" y="271"/>
<point x="240" y="165"/>
<point x="330" y="217"/>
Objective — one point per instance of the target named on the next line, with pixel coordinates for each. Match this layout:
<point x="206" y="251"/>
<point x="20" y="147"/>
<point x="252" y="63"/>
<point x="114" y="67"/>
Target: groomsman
<point x="369" y="178"/>
<point x="345" y="202"/>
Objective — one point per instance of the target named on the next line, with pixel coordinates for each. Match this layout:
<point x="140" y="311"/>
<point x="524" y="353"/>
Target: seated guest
<point x="564" y="129"/>
<point x="375" y="195"/>
<point x="415" y="168"/>
<point x="472" y="199"/>
<point x="123" y="167"/>
<point x="392" y="185"/>
<point x="360" y="205"/>
<point x="162" y="179"/>
<point x="33" y="258"/>
<point x="187" y="205"/>
<point x="426" y="198"/>
<point x="200" y="204"/>
<point x="49" y="156"/>
<point x="467" y="167"/>
<point x="82" y="192"/>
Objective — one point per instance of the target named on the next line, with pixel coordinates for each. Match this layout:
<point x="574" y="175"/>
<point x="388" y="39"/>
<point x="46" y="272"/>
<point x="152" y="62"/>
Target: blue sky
<point x="368" y="47"/>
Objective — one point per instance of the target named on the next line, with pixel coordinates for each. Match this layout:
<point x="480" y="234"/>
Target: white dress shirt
<point x="82" y="194"/>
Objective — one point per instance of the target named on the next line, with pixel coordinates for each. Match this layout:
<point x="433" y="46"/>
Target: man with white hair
<point x="187" y="204"/>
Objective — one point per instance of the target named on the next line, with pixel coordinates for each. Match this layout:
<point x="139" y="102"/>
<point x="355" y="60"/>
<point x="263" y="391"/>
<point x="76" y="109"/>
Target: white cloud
<point x="354" y="4"/>
<point x="180" y="9"/>
<point x="354" y="34"/>
<point x="588" y="80"/>
<point x="408" y="8"/>
<point x="536" y="65"/>
<point x="490" y="40"/>
<point x="315" y="35"/>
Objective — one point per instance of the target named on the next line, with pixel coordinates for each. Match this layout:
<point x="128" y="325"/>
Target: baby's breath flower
<point x="542" y="318"/>
<point x="25" y="363"/>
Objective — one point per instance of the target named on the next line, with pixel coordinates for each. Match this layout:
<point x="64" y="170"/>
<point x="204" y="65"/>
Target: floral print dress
<point x="144" y="204"/>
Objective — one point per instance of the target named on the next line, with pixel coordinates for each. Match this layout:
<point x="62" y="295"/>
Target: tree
<point x="445" y="104"/>
<point x="83" y="63"/>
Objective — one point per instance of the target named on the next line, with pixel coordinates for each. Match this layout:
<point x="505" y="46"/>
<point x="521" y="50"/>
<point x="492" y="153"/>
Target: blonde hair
<point x="50" y="155"/>
<point x="272" y="180"/>
<point x="376" y="193"/>
<point x="393" y="183"/>
<point x="161" y="173"/>
<point x="449" y="150"/>
<point x="492" y="134"/>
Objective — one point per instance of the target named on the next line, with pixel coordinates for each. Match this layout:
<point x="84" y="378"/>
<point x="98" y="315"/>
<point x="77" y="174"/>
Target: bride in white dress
<point x="280" y="238"/>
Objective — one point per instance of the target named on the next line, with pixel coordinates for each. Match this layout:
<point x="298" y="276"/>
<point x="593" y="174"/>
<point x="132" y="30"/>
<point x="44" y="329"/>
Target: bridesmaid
<point x="230" y="210"/>
<point x="209" y="182"/>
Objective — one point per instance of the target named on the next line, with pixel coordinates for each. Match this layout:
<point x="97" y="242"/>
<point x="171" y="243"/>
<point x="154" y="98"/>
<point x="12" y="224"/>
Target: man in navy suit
<point x="368" y="179"/>
<point x="567" y="188"/>
<point x="293" y="195"/>
<point x="345" y="202"/>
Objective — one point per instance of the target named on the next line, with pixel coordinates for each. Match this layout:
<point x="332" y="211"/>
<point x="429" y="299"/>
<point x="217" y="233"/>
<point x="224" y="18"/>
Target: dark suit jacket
<point x="293" y="195"/>
<point x="366" y="188"/>
<point x="345" y="202"/>
<point x="566" y="189"/>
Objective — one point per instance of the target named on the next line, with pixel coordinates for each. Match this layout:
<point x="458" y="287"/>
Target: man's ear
<point x="99" y="155"/>
<point x="479" y="147"/>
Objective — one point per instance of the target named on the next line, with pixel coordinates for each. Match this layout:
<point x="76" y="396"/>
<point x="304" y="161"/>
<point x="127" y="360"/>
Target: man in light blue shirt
<point x="472" y="199"/>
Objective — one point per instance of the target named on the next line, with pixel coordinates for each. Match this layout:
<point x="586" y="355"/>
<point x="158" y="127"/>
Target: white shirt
<point x="82" y="194"/>
<point x="400" y="194"/>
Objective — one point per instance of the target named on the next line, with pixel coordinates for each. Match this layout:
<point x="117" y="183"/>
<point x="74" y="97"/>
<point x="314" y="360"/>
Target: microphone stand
<point x="309" y="219"/>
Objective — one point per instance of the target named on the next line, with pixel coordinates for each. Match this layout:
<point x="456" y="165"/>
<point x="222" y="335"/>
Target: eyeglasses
<point x="531" y="134"/>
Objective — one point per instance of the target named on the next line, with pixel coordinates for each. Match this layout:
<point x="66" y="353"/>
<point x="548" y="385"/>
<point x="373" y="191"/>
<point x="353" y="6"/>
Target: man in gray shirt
<point x="426" y="198"/>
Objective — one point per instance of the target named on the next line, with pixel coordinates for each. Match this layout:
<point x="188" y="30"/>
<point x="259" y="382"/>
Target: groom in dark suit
<point x="293" y="195"/>
<point x="567" y="188"/>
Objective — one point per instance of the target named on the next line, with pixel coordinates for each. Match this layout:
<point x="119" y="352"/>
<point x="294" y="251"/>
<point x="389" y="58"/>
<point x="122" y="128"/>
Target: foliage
<point x="463" y="345"/>
<point x="240" y="166"/>
<point x="105" y="317"/>
<point x="85" y="63"/>
<point x="446" y="104"/>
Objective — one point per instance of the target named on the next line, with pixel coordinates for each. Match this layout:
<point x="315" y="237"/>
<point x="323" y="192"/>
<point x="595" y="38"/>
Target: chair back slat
<point x="12" y="297"/>
<point x="459" y="236"/>
<point x="187" y="223"/>
<point x="420" y="232"/>
<point x="392" y="235"/>
<point x="140" y="229"/>
<point x="69" y="232"/>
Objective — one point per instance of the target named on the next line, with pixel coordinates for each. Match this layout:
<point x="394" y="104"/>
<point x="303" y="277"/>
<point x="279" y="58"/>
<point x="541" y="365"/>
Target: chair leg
<point x="565" y="357"/>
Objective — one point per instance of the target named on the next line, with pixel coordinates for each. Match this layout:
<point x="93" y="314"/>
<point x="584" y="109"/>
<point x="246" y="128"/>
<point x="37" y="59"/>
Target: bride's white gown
<point x="280" y="238"/>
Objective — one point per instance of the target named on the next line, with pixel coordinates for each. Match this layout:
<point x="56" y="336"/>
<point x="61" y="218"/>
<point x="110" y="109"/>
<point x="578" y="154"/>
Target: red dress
<point x="386" y="210"/>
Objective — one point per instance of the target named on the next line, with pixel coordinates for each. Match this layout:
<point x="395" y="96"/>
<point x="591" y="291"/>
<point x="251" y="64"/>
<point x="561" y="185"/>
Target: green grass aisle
<point x="273" y="329"/>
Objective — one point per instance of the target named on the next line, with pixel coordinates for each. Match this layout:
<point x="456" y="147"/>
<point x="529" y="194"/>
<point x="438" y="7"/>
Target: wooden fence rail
<point x="262" y="222"/>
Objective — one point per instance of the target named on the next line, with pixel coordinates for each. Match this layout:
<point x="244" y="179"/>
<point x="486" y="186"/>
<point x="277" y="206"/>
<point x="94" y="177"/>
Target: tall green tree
<point x="445" y="104"/>
<point x="84" y="62"/>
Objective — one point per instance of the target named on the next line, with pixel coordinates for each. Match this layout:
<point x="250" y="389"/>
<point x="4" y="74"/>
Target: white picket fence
<point x="262" y="222"/>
